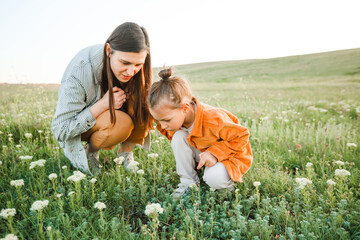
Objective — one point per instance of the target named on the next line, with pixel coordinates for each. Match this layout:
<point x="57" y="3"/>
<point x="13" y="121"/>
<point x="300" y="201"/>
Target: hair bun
<point x="165" y="73"/>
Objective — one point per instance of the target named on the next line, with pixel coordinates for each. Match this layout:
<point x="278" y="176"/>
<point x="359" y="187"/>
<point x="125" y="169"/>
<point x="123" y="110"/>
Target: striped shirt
<point x="79" y="90"/>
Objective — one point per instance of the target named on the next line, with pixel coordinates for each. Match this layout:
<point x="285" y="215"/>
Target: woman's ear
<point x="108" y="49"/>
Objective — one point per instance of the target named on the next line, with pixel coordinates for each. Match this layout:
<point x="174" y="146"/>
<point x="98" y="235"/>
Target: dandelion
<point x="153" y="209"/>
<point x="330" y="182"/>
<point x="132" y="166"/>
<point x="10" y="237"/>
<point x="309" y="165"/>
<point x="119" y="160"/>
<point x="153" y="155"/>
<point x="8" y="212"/>
<point x="52" y="176"/>
<point x="26" y="157"/>
<point x="76" y="177"/>
<point x="303" y="182"/>
<point x="342" y="173"/>
<point x="28" y="135"/>
<point x="17" y="183"/>
<point x="339" y="162"/>
<point x="351" y="145"/>
<point x="39" y="163"/>
<point x="100" y="205"/>
<point x="140" y="172"/>
<point x="256" y="184"/>
<point x="93" y="180"/>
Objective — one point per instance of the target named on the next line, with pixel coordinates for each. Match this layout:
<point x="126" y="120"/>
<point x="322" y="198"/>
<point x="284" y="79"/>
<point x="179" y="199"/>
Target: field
<point x="303" y="115"/>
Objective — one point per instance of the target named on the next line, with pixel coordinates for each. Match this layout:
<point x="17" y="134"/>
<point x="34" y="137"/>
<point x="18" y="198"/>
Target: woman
<point x="102" y="99"/>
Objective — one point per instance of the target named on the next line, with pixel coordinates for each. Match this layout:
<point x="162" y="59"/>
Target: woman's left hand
<point x="207" y="159"/>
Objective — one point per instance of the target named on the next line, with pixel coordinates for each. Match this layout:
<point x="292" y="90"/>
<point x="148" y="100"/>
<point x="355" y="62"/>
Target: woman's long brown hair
<point x="129" y="37"/>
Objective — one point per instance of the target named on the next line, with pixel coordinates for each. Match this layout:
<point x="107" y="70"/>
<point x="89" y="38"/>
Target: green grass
<point x="298" y="109"/>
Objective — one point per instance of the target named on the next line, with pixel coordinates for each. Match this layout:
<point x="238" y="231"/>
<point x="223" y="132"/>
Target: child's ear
<point x="186" y="107"/>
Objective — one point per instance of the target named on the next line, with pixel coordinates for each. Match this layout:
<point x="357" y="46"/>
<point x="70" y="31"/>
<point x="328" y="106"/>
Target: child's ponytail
<point x="171" y="88"/>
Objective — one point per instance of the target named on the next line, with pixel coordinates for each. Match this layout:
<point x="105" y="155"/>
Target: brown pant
<point x="104" y="135"/>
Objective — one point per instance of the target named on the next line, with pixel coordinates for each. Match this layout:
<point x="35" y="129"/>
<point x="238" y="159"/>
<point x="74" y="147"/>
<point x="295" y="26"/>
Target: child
<point x="200" y="135"/>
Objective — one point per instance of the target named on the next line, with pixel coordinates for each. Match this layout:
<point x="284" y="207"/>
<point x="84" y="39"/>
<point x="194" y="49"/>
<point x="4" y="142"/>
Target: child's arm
<point x="207" y="159"/>
<point x="233" y="146"/>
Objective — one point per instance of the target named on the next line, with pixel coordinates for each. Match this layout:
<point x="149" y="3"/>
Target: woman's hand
<point x="207" y="159"/>
<point x="119" y="98"/>
<point x="103" y="104"/>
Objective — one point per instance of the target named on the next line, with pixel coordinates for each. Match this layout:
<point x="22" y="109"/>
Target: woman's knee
<point x="109" y="135"/>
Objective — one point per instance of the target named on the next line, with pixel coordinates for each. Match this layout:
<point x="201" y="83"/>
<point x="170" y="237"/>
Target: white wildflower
<point x="38" y="163"/>
<point x="307" y="124"/>
<point x="153" y="208"/>
<point x="59" y="195"/>
<point x="76" y="177"/>
<point x="303" y="182"/>
<point x="0" y="162"/>
<point x="330" y="182"/>
<point x="256" y="184"/>
<point x="237" y="190"/>
<point x="100" y="205"/>
<point x="212" y="189"/>
<point x="28" y="135"/>
<point x="10" y="237"/>
<point x="351" y="145"/>
<point x="52" y="176"/>
<point x="161" y="138"/>
<point x="119" y="160"/>
<point x="93" y="180"/>
<point x="48" y="228"/>
<point x="26" y="157"/>
<point x="339" y="162"/>
<point x="153" y="155"/>
<point x="4" y="147"/>
<point x="5" y="213"/>
<point x="70" y="193"/>
<point x="18" y="146"/>
<point x="309" y="164"/>
<point x="64" y="167"/>
<point x="342" y="173"/>
<point x="17" y="183"/>
<point x="132" y="166"/>
<point x="40" y="131"/>
<point x="141" y="172"/>
<point x="39" y="205"/>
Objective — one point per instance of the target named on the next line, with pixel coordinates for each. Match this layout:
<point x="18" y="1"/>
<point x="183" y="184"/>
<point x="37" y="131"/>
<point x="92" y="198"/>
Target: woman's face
<point x="125" y="65"/>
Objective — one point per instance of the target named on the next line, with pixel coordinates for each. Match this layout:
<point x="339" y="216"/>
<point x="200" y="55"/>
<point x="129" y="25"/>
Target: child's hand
<point x="207" y="159"/>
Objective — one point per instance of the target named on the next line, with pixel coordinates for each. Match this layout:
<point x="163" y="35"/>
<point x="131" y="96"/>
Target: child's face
<point x="171" y="119"/>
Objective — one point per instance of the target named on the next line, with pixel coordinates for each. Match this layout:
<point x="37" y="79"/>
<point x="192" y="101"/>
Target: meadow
<point x="303" y="115"/>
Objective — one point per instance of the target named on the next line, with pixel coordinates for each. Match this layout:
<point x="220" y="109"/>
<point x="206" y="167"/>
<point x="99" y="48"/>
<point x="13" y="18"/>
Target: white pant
<point x="185" y="155"/>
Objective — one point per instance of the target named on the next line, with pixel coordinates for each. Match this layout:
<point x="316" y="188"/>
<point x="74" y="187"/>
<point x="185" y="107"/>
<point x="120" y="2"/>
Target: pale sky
<point x="38" y="38"/>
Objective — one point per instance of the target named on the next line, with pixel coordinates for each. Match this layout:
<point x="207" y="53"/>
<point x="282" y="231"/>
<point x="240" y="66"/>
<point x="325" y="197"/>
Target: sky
<point x="38" y="38"/>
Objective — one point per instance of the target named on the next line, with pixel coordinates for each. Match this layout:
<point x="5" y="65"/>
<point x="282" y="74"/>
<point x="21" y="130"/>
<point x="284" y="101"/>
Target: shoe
<point x="93" y="161"/>
<point x="183" y="189"/>
<point x="128" y="158"/>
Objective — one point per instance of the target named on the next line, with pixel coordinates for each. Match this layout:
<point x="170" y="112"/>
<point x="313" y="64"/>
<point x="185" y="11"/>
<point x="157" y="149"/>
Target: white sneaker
<point x="183" y="189"/>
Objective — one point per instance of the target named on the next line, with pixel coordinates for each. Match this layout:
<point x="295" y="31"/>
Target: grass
<point x="299" y="110"/>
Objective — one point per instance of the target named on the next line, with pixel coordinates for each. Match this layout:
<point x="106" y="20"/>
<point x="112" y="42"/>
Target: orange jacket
<point x="218" y="131"/>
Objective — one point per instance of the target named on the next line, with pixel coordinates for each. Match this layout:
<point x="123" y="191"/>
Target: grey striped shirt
<point x="79" y="90"/>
